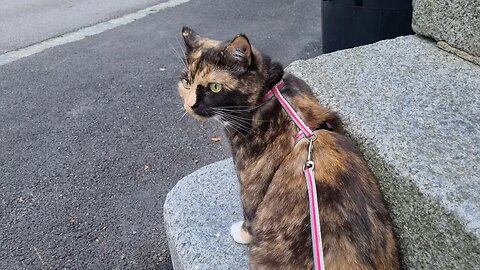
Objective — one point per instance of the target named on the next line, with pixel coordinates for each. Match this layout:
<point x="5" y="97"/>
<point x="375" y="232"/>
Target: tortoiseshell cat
<point x="226" y="81"/>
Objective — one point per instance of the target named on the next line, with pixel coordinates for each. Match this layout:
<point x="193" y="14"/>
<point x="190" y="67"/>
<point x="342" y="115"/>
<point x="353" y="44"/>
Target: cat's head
<point x="219" y="75"/>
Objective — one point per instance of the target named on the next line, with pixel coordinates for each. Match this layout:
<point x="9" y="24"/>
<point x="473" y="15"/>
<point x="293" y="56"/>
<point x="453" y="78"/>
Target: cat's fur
<point x="356" y="229"/>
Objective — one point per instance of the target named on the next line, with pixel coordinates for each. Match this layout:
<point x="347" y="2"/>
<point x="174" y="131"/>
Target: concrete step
<point x="198" y="213"/>
<point x="414" y="112"/>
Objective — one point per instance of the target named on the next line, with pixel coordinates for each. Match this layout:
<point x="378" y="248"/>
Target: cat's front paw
<point x="239" y="234"/>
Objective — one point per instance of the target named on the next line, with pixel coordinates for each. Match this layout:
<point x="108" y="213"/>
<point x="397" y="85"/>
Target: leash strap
<point x="317" y="245"/>
<point x="307" y="133"/>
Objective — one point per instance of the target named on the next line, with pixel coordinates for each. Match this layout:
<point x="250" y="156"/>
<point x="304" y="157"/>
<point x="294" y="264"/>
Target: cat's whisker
<point x="235" y="123"/>
<point x="240" y="120"/>
<point x="230" y="116"/>
<point x="240" y="125"/>
<point x="224" y="116"/>
<point x="183" y="115"/>
<point x="230" y="110"/>
<point x="180" y="45"/>
<point x="178" y="55"/>
<point x="238" y="106"/>
<point x="249" y="108"/>
<point x="180" y="110"/>
<point x="248" y="120"/>
<point x="229" y="125"/>
<point x="234" y="117"/>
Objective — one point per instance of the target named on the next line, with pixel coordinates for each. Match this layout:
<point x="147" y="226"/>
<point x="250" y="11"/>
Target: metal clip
<point x="310" y="164"/>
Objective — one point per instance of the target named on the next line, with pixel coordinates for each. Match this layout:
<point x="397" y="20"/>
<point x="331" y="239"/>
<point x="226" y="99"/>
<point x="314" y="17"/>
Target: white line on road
<point x="85" y="32"/>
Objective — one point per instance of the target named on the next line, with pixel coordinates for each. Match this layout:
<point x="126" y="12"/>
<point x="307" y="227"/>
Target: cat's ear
<point x="241" y="50"/>
<point x="190" y="38"/>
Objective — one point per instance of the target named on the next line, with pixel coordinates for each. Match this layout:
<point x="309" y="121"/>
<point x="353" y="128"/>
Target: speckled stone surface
<point x="457" y="22"/>
<point x="198" y="213"/>
<point x="414" y="111"/>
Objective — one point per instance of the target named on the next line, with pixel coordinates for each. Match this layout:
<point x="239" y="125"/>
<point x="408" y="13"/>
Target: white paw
<point x="239" y="235"/>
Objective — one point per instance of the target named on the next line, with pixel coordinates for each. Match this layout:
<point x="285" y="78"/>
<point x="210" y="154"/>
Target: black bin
<point x="350" y="23"/>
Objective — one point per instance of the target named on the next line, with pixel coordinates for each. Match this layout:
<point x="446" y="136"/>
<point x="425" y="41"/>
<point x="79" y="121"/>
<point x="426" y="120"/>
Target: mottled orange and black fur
<point x="356" y="230"/>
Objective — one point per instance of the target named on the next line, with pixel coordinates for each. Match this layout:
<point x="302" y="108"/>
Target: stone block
<point x="198" y="213"/>
<point x="414" y="111"/>
<point x="456" y="22"/>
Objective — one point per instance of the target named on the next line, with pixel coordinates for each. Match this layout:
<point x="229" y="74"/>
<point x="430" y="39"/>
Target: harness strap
<point x="305" y="132"/>
<point x="301" y="134"/>
<point x="324" y="125"/>
<point x="290" y="111"/>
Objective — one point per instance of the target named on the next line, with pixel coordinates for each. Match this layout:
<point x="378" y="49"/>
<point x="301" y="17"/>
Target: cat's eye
<point x="215" y="87"/>
<point x="186" y="83"/>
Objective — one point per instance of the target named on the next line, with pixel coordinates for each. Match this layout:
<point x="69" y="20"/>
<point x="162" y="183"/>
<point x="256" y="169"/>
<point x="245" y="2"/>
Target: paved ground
<point x="23" y="22"/>
<point x="90" y="141"/>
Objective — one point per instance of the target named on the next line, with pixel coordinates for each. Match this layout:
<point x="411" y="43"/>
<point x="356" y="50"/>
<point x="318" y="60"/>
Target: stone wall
<point x="454" y="22"/>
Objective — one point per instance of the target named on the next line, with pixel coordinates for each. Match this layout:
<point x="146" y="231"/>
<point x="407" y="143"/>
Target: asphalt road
<point x="24" y="22"/>
<point x="90" y="137"/>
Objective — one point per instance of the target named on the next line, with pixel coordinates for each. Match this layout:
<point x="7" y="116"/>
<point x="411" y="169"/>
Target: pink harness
<point x="307" y="133"/>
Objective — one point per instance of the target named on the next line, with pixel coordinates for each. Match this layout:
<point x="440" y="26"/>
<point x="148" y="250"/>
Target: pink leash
<point x="307" y="133"/>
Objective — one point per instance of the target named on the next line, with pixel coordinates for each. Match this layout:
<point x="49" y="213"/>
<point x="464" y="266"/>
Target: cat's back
<point x="356" y="230"/>
<point x="355" y="221"/>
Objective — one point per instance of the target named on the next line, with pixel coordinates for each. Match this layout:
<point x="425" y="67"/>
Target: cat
<point x="226" y="81"/>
